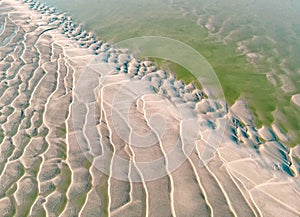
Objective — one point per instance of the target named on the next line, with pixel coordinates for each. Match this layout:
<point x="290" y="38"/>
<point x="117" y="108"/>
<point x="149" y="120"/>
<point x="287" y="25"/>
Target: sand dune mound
<point x="296" y="99"/>
<point x="89" y="130"/>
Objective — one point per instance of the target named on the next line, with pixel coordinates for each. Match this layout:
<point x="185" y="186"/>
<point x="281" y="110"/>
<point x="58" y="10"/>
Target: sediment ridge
<point x="67" y="152"/>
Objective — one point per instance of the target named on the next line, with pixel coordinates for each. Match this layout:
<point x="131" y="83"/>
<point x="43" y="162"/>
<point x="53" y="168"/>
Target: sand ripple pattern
<point x="49" y="161"/>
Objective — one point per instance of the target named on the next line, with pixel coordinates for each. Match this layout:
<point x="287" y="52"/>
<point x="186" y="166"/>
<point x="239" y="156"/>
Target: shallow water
<point x="252" y="45"/>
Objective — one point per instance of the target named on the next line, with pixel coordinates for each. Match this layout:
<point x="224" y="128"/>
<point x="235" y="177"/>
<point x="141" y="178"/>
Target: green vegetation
<point x="261" y="28"/>
<point x="102" y="191"/>
<point x="62" y="131"/>
<point x="66" y="175"/>
<point x="29" y="198"/>
<point x="11" y="190"/>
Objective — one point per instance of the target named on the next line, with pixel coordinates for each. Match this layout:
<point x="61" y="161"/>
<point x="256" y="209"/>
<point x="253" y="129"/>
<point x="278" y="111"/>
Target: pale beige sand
<point x="279" y="133"/>
<point x="296" y="99"/>
<point x="71" y="153"/>
<point x="266" y="134"/>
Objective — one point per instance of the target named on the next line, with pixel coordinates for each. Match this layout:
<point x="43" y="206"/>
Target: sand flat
<point x="138" y="143"/>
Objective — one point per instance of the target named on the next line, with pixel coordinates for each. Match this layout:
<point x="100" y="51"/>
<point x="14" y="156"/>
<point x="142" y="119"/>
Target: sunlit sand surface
<point x="296" y="99"/>
<point x="56" y="161"/>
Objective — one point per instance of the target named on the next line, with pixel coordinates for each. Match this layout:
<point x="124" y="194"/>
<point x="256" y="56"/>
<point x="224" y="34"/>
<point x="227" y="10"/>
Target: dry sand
<point x="296" y="99"/>
<point x="138" y="143"/>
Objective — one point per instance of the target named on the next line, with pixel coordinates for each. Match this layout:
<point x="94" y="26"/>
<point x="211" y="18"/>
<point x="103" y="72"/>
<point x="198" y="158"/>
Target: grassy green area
<point x="102" y="190"/>
<point x="24" y="209"/>
<point x="270" y="31"/>
<point x="63" y="188"/>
